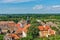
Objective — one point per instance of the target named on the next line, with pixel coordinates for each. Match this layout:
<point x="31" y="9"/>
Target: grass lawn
<point x="57" y="37"/>
<point x="1" y="37"/>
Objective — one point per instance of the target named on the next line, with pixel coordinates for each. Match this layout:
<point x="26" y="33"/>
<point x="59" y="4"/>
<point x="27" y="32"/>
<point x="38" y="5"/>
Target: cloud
<point x="56" y="6"/>
<point x="44" y="7"/>
<point x="38" y="7"/>
<point x="47" y="9"/>
<point x="14" y="1"/>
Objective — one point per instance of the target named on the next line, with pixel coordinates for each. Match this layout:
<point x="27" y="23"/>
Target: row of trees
<point x="19" y="16"/>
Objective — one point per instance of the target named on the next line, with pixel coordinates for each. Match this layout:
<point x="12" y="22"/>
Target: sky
<point x="29" y="6"/>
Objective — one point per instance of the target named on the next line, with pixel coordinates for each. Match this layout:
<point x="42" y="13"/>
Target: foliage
<point x="33" y="30"/>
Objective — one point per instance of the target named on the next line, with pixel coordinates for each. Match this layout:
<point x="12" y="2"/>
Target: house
<point x="7" y="25"/>
<point x="23" y="30"/>
<point x="45" y="31"/>
<point x="20" y="27"/>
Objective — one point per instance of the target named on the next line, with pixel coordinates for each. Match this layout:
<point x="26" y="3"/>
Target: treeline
<point x="7" y="17"/>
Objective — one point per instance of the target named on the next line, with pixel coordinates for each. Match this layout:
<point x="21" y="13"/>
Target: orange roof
<point x="41" y="28"/>
<point x="52" y="32"/>
<point x="22" y="29"/>
<point x="26" y="26"/>
<point x="15" y="36"/>
<point x="11" y="24"/>
<point x="19" y="28"/>
<point x="18" y="25"/>
<point x="6" y="22"/>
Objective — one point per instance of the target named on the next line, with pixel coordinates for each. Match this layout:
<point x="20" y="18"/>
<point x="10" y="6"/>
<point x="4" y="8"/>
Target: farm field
<point x="33" y="30"/>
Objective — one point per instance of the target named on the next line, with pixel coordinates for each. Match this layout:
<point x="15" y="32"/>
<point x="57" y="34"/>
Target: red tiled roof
<point x="41" y="28"/>
<point x="11" y="23"/>
<point x="52" y="32"/>
<point x="22" y="29"/>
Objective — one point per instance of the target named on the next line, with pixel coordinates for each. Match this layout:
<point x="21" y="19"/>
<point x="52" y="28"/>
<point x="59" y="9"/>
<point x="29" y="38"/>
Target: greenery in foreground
<point x="1" y="37"/>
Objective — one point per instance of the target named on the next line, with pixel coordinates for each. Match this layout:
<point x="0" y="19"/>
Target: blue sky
<point x="29" y="6"/>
